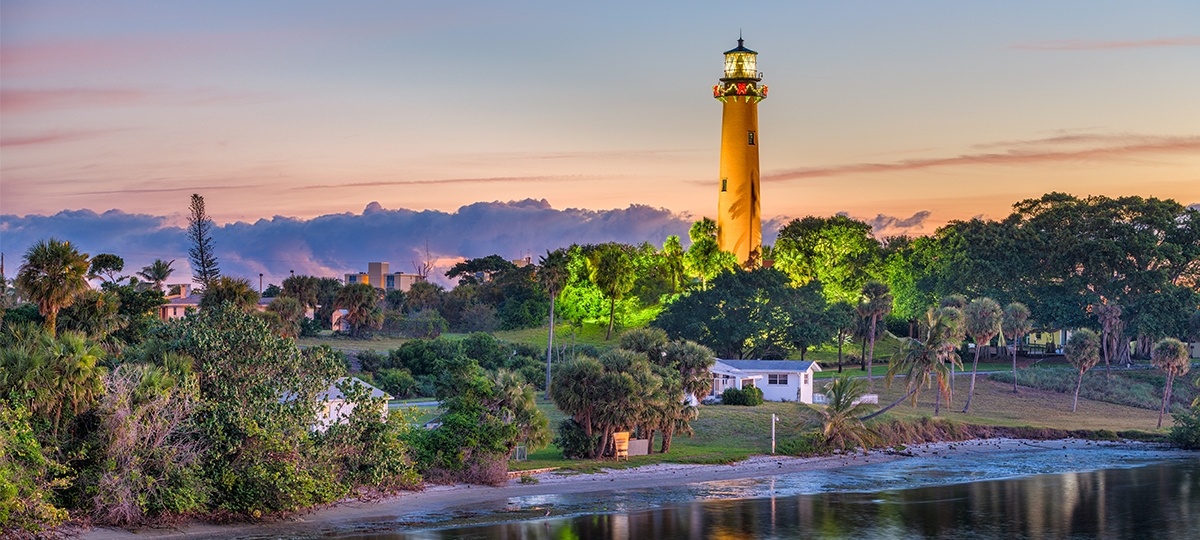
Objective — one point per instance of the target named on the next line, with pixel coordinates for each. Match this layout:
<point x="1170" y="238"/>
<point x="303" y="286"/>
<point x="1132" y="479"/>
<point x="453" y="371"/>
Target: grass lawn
<point x="726" y="433"/>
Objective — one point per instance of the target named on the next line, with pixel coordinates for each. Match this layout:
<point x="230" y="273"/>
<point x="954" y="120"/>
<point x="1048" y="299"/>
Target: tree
<point x="552" y="274"/>
<point x="479" y="270"/>
<point x="361" y="302"/>
<point x="743" y="314"/>
<point x="108" y="266"/>
<point x="876" y="302"/>
<point x="95" y="314"/>
<point x="290" y="311"/>
<point x="1082" y="351"/>
<point x="53" y="274"/>
<point x="923" y="361"/>
<point x="611" y="270"/>
<point x="1015" y="323"/>
<point x="673" y="257"/>
<point x="841" y="424"/>
<point x="838" y="251"/>
<point x="237" y="291"/>
<point x="704" y="260"/>
<point x="1171" y="356"/>
<point x="1112" y="331"/>
<point x="157" y="272"/>
<point x="839" y="316"/>
<point x="806" y="310"/>
<point x="983" y="318"/>
<point x="202" y="256"/>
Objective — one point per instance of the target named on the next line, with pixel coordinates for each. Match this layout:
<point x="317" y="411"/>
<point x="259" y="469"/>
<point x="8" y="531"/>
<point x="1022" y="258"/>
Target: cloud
<point x="483" y="180"/>
<point x="53" y="137"/>
<point x="884" y="225"/>
<point x="24" y="100"/>
<point x="334" y="244"/>
<point x="1089" y="45"/>
<point x="1014" y="156"/>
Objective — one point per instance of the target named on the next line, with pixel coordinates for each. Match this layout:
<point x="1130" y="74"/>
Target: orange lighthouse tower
<point x="739" y="221"/>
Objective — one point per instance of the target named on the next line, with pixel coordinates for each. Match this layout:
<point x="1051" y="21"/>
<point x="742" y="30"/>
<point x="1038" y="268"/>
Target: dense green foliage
<point x="748" y="397"/>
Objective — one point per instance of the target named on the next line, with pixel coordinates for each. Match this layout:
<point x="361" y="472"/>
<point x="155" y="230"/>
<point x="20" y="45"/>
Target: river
<point x="1105" y="493"/>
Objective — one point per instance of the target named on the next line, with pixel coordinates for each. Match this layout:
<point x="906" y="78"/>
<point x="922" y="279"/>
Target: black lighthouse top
<point x="740" y="48"/>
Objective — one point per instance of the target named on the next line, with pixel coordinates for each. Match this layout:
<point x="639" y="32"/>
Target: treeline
<point x="110" y="415"/>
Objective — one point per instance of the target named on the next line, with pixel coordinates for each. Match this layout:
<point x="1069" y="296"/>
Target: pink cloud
<point x="1089" y="45"/>
<point x="14" y="101"/>
<point x="53" y="137"/>
<point x="1150" y="145"/>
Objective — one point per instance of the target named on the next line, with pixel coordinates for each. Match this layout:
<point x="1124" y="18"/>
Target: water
<point x="1097" y="493"/>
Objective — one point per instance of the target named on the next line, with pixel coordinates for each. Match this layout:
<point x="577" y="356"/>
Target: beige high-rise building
<point x="739" y="219"/>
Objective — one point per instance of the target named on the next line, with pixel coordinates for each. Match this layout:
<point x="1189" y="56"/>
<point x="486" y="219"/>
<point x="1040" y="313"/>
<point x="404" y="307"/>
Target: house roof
<point x="793" y="366"/>
<point x="334" y="394"/>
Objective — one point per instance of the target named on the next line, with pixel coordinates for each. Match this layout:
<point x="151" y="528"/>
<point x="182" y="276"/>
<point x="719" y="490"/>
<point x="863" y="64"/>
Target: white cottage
<point x="779" y="380"/>
<point x="333" y="407"/>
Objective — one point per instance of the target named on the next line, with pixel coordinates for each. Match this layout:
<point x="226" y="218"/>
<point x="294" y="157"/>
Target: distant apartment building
<point x="377" y="276"/>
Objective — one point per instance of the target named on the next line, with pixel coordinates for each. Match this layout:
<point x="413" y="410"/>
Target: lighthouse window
<point x="724" y="184"/>
<point x="751" y="137"/>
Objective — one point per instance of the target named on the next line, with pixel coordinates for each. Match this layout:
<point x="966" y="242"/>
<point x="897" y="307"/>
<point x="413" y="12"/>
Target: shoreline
<point x="439" y="506"/>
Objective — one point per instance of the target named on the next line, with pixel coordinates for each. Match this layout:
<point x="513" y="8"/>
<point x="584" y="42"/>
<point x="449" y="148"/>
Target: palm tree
<point x="958" y="302"/>
<point x="360" y="301"/>
<point x="875" y="304"/>
<point x="290" y="310"/>
<point x="158" y="272"/>
<point x="923" y="361"/>
<point x="1083" y="352"/>
<point x="54" y="273"/>
<point x="840" y="420"/>
<point x="1111" y="329"/>
<point x="552" y="274"/>
<point x="1015" y="324"/>
<point x="983" y="317"/>
<point x="576" y="392"/>
<point x="1171" y="356"/>
<point x="238" y="291"/>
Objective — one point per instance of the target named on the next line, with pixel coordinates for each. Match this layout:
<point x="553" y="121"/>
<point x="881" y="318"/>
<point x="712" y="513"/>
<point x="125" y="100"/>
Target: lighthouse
<point x="739" y="220"/>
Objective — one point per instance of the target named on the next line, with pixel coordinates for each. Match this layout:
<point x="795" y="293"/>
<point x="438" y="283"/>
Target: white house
<point x="334" y="409"/>
<point x="779" y="380"/>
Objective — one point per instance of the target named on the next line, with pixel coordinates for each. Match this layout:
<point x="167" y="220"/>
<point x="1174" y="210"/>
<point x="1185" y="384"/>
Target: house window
<point x="724" y="184"/>
<point x="750" y="135"/>
<point x="777" y="378"/>
<point x="805" y="378"/>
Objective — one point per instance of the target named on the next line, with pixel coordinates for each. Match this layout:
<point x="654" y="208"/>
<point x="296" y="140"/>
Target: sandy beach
<point x="437" y="504"/>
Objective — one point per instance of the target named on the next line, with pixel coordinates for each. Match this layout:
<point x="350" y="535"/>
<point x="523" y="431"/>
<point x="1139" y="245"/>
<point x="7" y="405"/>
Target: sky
<point x="393" y="125"/>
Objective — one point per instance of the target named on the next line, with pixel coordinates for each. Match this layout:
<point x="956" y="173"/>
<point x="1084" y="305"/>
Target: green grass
<point x="723" y="434"/>
<point x="564" y="335"/>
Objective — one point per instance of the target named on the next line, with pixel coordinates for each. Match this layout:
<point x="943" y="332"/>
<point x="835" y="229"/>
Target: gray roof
<point x="769" y="365"/>
<point x="334" y="394"/>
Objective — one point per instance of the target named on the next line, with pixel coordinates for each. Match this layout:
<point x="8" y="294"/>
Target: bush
<point x="750" y="397"/>
<point x="574" y="443"/>
<point x="1186" y="433"/>
<point x="809" y="443"/>
<point x="397" y="382"/>
<point x="426" y="323"/>
<point x="26" y="488"/>
<point x="370" y="360"/>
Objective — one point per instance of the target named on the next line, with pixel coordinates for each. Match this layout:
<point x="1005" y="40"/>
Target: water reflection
<point x="1157" y="501"/>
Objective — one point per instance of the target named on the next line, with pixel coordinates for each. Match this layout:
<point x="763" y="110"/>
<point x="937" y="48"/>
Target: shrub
<point x="25" y="485"/>
<point x="397" y="382"/>
<point x="1186" y="433"/>
<point x="574" y="443"/>
<point x="750" y="396"/>
<point x="426" y="323"/>
<point x="809" y="443"/>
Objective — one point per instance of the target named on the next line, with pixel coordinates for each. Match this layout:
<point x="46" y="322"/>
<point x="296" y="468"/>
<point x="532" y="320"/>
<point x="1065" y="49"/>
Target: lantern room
<point x="741" y="63"/>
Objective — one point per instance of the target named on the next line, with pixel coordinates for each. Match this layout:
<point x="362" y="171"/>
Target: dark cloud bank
<point x="334" y="244"/>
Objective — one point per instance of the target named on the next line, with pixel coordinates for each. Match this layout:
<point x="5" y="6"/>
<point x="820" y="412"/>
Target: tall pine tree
<point x="201" y="255"/>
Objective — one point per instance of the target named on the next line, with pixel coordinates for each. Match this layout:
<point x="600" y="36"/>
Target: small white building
<point x="779" y="380"/>
<point x="334" y="409"/>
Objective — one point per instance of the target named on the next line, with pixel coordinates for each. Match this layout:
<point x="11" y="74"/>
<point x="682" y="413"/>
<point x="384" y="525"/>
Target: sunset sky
<point x="920" y="111"/>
